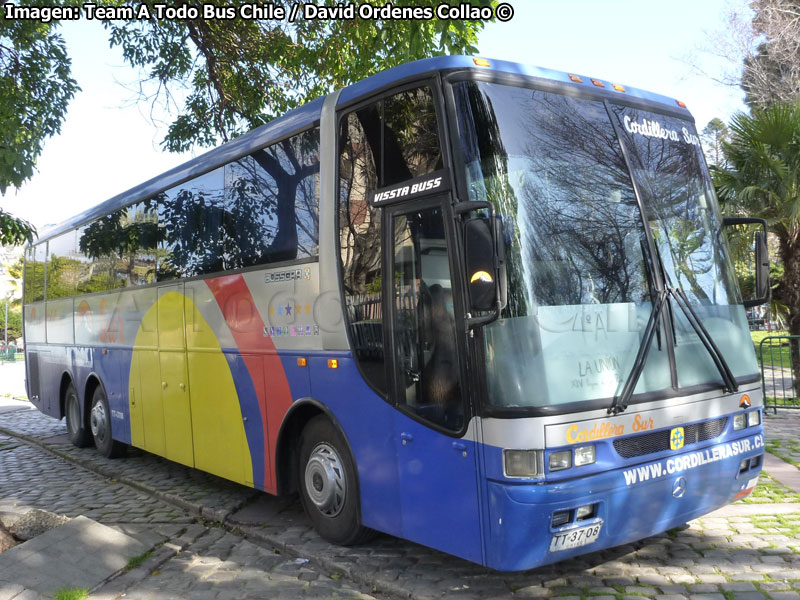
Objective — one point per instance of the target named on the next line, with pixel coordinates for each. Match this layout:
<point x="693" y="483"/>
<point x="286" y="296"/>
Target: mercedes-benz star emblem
<point x="679" y="487"/>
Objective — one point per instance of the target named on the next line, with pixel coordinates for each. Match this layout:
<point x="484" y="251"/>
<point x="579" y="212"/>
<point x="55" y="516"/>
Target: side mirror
<point x="762" y="290"/>
<point x="485" y="266"/>
<point x="762" y="269"/>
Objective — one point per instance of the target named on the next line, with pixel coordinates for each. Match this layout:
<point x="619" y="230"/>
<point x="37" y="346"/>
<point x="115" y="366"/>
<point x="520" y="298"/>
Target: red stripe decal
<point x="238" y="307"/>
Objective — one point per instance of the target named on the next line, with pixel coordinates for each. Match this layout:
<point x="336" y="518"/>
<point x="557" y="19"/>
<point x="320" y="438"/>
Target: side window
<point x="63" y="266"/>
<point x="34" y="273"/>
<point x="139" y="236"/>
<point x="95" y="243"/>
<point x="360" y="240"/>
<point x="410" y="136"/>
<point x="272" y="203"/>
<point x="28" y="275"/>
<point x="391" y="140"/>
<point x="424" y="323"/>
<point x="191" y="215"/>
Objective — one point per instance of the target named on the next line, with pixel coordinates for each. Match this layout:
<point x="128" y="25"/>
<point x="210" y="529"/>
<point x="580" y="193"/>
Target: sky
<point x="109" y="143"/>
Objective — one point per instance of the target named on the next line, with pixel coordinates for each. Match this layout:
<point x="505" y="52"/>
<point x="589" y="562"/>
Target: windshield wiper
<point x="731" y="386"/>
<point x="620" y="403"/>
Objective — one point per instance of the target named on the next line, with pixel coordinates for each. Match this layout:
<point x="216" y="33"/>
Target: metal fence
<point x="777" y="376"/>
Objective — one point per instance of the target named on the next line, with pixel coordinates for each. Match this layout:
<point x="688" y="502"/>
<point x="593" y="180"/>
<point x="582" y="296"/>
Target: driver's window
<point x="424" y="324"/>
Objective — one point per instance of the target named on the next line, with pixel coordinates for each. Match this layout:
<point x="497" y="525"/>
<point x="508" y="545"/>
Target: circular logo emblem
<point x="679" y="487"/>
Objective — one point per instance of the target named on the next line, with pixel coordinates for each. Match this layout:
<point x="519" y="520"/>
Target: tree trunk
<point x="790" y="253"/>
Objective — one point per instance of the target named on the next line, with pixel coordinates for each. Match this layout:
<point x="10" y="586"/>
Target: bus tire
<point x="79" y="435"/>
<point x="328" y="487"/>
<point x="100" y="421"/>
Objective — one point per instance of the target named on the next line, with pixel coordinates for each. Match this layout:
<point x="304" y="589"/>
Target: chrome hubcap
<point x="325" y="480"/>
<point x="99" y="421"/>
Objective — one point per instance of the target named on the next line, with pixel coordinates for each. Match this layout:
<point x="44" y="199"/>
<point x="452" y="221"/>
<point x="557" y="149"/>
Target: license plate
<point x="574" y="538"/>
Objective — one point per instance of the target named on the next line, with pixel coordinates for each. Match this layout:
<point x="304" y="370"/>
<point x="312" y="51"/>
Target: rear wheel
<point x="100" y="421"/>
<point x="328" y="487"/>
<point x="79" y="435"/>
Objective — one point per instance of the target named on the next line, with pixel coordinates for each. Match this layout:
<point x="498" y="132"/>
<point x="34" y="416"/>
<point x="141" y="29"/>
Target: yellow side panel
<point x="177" y="410"/>
<point x="220" y="442"/>
<point x="151" y="402"/>
<point x="145" y="403"/>
<point x="170" y="318"/>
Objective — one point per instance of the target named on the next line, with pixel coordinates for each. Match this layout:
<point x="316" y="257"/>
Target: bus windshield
<point x="581" y="274"/>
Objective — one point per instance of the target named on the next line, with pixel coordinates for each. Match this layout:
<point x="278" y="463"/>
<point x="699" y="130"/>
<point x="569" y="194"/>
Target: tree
<point x="772" y="69"/>
<point x="713" y="136"/>
<point x="35" y="88"/>
<point x="14" y="231"/>
<point x="763" y="179"/>
<point x="237" y="74"/>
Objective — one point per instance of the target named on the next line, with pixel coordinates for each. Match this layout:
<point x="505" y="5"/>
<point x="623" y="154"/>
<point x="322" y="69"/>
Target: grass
<point x="71" y="594"/>
<point x="138" y="560"/>
<point x="774" y="355"/>
<point x="768" y="490"/>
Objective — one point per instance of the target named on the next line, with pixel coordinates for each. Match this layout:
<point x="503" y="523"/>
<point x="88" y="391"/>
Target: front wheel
<point x="100" y="421"/>
<point x="328" y="488"/>
<point x="79" y="435"/>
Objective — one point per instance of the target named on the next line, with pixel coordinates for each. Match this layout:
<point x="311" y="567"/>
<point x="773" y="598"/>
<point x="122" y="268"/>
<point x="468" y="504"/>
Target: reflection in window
<point x="579" y="293"/>
<point x="63" y="266"/>
<point x="34" y="273"/>
<point x="191" y="214"/>
<point x="271" y="203"/>
<point x="360" y="242"/>
<point x="118" y="250"/>
<point x="258" y="210"/>
<point x="424" y="324"/>
<point x="410" y="136"/>
<point x="685" y="225"/>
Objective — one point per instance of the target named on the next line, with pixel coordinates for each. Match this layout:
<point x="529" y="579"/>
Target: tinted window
<point x="34" y="273"/>
<point x="410" y="136"/>
<point x="63" y="266"/>
<point x="360" y="240"/>
<point x="258" y="210"/>
<point x="271" y="203"/>
<point x="191" y="215"/>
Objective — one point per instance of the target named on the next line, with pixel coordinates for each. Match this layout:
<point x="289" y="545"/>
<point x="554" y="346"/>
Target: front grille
<point x="658" y="441"/>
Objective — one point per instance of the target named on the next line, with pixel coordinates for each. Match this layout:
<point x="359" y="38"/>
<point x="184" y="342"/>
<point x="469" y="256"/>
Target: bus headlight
<point x="739" y="421"/>
<point x="754" y="418"/>
<point x="585" y="455"/>
<point x="560" y="460"/>
<point x="522" y="463"/>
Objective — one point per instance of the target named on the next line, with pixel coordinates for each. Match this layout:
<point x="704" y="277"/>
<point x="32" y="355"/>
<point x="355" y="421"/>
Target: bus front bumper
<point x="628" y="503"/>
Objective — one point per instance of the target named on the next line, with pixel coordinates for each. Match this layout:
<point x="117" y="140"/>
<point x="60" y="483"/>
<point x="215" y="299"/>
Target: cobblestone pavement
<point x="782" y="434"/>
<point x="213" y="563"/>
<point x="740" y="557"/>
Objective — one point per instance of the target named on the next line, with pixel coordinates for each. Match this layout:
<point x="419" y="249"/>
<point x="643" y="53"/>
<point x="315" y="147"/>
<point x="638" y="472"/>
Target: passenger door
<point x="437" y="459"/>
<point x="174" y="377"/>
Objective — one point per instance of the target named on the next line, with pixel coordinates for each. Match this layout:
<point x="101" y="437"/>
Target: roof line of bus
<point x="308" y="115"/>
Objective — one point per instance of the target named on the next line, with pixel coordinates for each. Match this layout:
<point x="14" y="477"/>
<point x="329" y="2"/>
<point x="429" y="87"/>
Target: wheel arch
<point x="93" y="382"/>
<point x="66" y="379"/>
<point x="286" y="450"/>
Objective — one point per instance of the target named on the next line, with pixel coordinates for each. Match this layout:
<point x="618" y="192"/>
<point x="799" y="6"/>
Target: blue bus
<point x="485" y="307"/>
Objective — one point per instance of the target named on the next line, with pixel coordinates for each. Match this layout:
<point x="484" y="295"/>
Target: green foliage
<point x="13" y="231"/>
<point x="136" y="561"/>
<point x="242" y="73"/>
<point x="763" y="176"/>
<point x="71" y="594"/>
<point x="762" y="179"/>
<point x="713" y="136"/>
<point x="35" y="88"/>
<point x="14" y="322"/>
